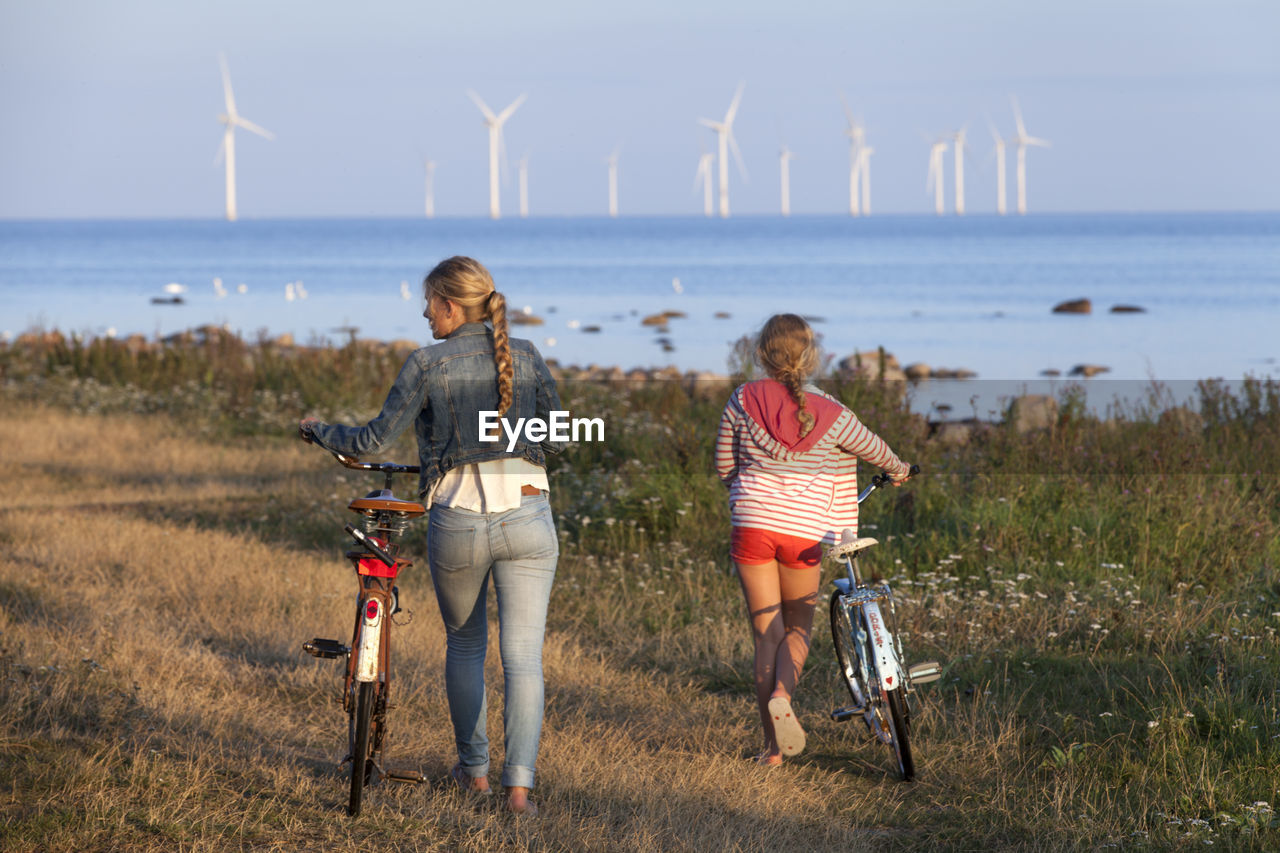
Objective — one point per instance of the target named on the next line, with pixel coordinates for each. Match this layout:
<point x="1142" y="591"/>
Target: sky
<point x="110" y="109"/>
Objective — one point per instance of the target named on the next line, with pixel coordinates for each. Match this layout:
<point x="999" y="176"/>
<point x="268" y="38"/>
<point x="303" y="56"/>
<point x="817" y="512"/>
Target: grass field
<point x="1105" y="597"/>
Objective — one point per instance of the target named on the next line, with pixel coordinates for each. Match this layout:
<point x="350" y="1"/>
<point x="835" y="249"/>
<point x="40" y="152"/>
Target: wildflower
<point x="1151" y="724"/>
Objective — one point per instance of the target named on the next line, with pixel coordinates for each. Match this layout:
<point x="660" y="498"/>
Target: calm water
<point x="973" y="292"/>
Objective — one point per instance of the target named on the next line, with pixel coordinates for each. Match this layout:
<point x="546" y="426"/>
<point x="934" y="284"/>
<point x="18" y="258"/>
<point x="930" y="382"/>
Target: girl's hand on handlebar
<point x="304" y="428"/>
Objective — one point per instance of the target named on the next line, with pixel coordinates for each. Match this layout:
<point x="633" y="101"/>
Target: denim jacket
<point x="442" y="389"/>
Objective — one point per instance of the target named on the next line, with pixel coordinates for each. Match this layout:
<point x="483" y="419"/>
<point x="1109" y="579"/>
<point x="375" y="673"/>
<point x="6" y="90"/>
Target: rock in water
<point x="1074" y="306"/>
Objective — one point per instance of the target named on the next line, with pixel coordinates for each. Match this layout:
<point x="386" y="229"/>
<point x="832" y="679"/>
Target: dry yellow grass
<point x="154" y="591"/>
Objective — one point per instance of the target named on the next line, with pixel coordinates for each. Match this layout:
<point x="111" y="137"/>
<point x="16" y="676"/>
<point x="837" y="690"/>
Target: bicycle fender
<point x="883" y="656"/>
<point x="842" y="586"/>
<point x="370" y="636"/>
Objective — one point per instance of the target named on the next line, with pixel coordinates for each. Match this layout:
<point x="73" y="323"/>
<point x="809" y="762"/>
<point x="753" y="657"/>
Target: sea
<point x="973" y="293"/>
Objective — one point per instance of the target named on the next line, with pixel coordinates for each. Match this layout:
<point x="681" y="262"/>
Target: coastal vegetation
<point x="1104" y="595"/>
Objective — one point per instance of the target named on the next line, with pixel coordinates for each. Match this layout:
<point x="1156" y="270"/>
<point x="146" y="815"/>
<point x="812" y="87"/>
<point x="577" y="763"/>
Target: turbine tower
<point x="524" y="187"/>
<point x="494" y="123"/>
<point x="936" y="177"/>
<point x="1000" y="170"/>
<point x="864" y="175"/>
<point x="857" y="137"/>
<point x="703" y="177"/>
<point x="958" y="138"/>
<point x="1022" y="140"/>
<point x="227" y="152"/>
<point x="429" y="166"/>
<point x="612" y="160"/>
<point x="784" y="157"/>
<point x="724" y="134"/>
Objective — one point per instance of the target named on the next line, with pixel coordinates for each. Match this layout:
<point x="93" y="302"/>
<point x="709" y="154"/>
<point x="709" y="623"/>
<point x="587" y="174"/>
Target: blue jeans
<point x="519" y="549"/>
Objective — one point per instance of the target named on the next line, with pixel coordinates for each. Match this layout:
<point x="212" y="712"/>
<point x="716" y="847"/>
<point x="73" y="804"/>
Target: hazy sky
<point x="110" y="108"/>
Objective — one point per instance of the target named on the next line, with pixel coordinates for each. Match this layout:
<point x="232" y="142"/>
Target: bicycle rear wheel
<point x="901" y="721"/>
<point x="846" y="655"/>
<point x="361" y="760"/>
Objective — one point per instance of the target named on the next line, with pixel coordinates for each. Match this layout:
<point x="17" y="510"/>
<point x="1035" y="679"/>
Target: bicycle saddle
<point x="383" y="501"/>
<point x="849" y="546"/>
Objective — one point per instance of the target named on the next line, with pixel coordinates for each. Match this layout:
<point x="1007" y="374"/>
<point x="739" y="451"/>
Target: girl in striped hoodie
<point x="789" y="455"/>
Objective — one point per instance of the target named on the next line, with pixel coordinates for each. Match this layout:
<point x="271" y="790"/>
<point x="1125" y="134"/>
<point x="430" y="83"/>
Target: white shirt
<point x="487" y="487"/>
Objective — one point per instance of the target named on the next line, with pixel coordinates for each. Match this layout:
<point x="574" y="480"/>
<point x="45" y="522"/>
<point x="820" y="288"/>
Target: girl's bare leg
<point x="780" y="604"/>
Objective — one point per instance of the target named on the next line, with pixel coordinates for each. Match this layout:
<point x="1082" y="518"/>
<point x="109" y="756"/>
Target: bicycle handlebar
<point x="380" y="467"/>
<point x="883" y="479"/>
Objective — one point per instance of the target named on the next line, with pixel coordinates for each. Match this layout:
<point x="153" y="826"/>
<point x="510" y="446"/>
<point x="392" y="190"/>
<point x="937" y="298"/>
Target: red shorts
<point x="751" y="547"/>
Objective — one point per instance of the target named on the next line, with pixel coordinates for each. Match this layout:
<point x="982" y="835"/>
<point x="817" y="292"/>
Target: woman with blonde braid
<point x="788" y="454"/>
<point x="490" y="515"/>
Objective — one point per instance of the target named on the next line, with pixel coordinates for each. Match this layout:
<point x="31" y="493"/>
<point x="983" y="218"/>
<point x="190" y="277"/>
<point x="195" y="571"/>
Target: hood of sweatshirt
<point x="769" y="404"/>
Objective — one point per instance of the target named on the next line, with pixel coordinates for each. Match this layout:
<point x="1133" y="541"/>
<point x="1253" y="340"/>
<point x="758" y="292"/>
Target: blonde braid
<point x="793" y="384"/>
<point x="496" y="306"/>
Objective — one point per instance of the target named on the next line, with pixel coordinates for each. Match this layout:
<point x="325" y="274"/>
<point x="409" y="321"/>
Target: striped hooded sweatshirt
<point x="782" y="482"/>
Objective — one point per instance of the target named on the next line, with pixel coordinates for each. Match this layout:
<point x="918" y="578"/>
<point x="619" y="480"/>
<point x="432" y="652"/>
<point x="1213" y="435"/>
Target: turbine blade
<point x="733" y="107"/>
<point x="253" y="128"/>
<point x="222" y="151"/>
<point x="484" y="108"/>
<point x="714" y="125"/>
<point x="506" y="114"/>
<point x="226" y="86"/>
<point x="1017" y="116"/>
<point x="1031" y="140"/>
<point x="848" y="113"/>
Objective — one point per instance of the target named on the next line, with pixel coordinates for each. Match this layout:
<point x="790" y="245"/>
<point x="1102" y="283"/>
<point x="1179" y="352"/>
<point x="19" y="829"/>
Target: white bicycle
<point x="869" y="653"/>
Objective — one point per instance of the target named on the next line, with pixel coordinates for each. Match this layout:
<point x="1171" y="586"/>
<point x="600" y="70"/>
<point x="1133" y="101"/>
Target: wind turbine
<point x="724" y="134"/>
<point x="784" y="157"/>
<point x="524" y="186"/>
<point x="1000" y="193"/>
<point x="227" y="152"/>
<point x="936" y="177"/>
<point x="864" y="175"/>
<point x="429" y="166"/>
<point x="494" y="123"/>
<point x="958" y="138"/>
<point x="612" y="160"/>
<point x="857" y="136"/>
<point x="703" y="176"/>
<point x="1022" y="140"/>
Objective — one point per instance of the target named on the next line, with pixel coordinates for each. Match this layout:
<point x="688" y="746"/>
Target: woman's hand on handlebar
<point x="304" y="429"/>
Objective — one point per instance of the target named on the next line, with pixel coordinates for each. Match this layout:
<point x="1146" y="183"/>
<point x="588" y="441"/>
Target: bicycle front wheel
<point x="846" y="655"/>
<point x="361" y="763"/>
<point x="901" y="722"/>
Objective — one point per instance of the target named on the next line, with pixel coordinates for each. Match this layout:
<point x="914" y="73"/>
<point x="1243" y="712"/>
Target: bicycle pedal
<point x="328" y="649"/>
<point x="842" y="714"/>
<point x="412" y="777"/>
<point x="923" y="673"/>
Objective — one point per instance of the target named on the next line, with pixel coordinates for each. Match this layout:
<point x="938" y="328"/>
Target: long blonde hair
<point x="466" y="283"/>
<point x="786" y="349"/>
